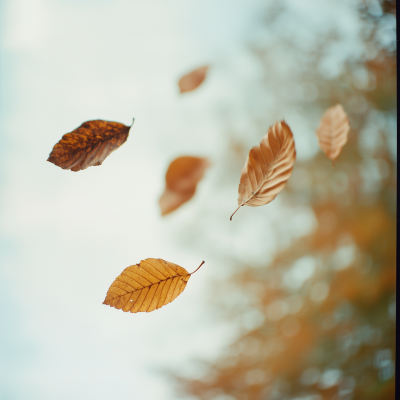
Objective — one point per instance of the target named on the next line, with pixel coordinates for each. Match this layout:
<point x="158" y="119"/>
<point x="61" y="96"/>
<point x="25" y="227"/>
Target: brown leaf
<point x="192" y="80"/>
<point x="268" y="167"/>
<point x="333" y="131"/>
<point x="147" y="286"/>
<point x="89" y="144"/>
<point x="181" y="180"/>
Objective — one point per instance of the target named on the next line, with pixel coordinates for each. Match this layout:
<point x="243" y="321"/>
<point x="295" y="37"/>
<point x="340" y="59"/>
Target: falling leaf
<point x="181" y="180"/>
<point x="89" y="144"/>
<point x="147" y="286"/>
<point x="192" y="80"/>
<point x="267" y="168"/>
<point x="333" y="131"/>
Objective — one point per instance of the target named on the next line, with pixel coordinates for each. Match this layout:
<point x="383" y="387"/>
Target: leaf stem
<point x="235" y="212"/>
<point x="198" y="267"/>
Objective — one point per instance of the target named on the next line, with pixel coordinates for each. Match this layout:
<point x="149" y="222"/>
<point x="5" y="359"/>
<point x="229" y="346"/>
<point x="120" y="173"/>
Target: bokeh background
<point x="296" y="299"/>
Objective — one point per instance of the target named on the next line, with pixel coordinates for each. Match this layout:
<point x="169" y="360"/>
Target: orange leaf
<point x="181" y="180"/>
<point x="147" y="286"/>
<point x="333" y="131"/>
<point x="268" y="167"/>
<point x="89" y="144"/>
<point x="192" y="80"/>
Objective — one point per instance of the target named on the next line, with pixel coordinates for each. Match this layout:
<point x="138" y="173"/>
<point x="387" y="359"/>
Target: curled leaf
<point x="89" y="144"/>
<point x="181" y="180"/>
<point x="268" y="167"/>
<point x="192" y="80"/>
<point x="147" y="286"/>
<point x="333" y="131"/>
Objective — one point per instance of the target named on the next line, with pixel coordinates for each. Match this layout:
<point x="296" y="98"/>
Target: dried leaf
<point x="333" y="131"/>
<point x="181" y="180"/>
<point x="268" y="167"/>
<point x="89" y="144"/>
<point x="147" y="286"/>
<point x="192" y="80"/>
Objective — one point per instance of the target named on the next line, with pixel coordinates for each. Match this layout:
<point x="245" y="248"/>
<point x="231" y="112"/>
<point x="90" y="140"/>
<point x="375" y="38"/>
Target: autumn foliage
<point x="268" y="167"/>
<point x="181" y="179"/>
<point x="89" y="144"/>
<point x="193" y="79"/>
<point x="147" y="286"/>
<point x="333" y="130"/>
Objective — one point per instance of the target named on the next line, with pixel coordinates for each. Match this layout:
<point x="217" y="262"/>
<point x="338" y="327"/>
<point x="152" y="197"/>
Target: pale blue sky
<point x="65" y="236"/>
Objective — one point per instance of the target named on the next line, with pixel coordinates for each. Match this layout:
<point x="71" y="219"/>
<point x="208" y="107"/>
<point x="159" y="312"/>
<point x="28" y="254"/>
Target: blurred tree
<point x="318" y="321"/>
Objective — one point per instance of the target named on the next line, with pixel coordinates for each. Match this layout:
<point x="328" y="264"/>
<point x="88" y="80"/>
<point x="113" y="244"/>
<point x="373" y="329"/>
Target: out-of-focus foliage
<point x="319" y="319"/>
